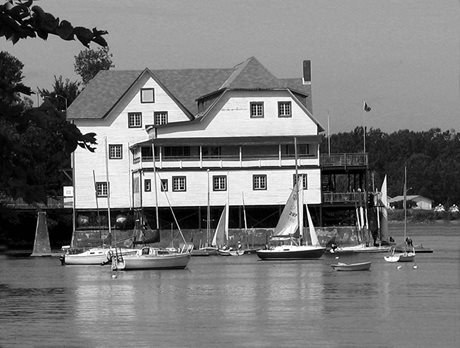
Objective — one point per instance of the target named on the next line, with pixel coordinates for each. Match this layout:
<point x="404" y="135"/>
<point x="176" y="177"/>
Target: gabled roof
<point x="414" y="198"/>
<point x="250" y="74"/>
<point x="102" y="93"/>
<point x="185" y="86"/>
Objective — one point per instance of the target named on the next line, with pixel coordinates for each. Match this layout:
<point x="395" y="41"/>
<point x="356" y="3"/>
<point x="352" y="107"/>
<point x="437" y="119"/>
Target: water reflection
<point x="232" y="301"/>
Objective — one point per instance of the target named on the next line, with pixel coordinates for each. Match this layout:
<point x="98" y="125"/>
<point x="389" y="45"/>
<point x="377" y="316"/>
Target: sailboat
<point x="149" y="257"/>
<point x="405" y="255"/>
<point x="97" y="255"/>
<point x="285" y="245"/>
<point x="206" y="250"/>
<point x="220" y="238"/>
<point x="383" y="223"/>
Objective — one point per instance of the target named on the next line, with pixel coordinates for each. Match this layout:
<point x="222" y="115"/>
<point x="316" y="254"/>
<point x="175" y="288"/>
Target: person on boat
<point x="409" y="242"/>
<point x="239" y="245"/>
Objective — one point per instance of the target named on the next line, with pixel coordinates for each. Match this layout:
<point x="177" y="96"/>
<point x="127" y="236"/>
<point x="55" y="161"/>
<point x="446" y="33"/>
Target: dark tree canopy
<point x="36" y="143"/>
<point x="20" y="19"/>
<point x="89" y="62"/>
<point x="432" y="159"/>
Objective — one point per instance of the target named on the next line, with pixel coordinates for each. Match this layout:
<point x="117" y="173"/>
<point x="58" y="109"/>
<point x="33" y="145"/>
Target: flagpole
<point x="328" y="136"/>
<point x="366" y="108"/>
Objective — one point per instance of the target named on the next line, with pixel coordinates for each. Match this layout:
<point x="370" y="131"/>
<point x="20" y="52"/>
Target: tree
<point x="62" y="94"/>
<point x="89" y="62"/>
<point x="10" y="79"/>
<point x="34" y="142"/>
<point x="20" y="20"/>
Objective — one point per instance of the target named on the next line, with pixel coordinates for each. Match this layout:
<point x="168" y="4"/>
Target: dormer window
<point x="147" y="95"/>
<point x="257" y="109"/>
<point x="284" y="109"/>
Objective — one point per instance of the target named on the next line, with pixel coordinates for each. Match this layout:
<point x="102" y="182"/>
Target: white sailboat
<point x="406" y="255"/>
<point x="150" y="257"/>
<point x="284" y="245"/>
<point x="97" y="255"/>
<point x="220" y="238"/>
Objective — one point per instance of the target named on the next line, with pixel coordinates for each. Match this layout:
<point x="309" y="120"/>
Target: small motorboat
<point x="401" y="257"/>
<point x="359" y="266"/>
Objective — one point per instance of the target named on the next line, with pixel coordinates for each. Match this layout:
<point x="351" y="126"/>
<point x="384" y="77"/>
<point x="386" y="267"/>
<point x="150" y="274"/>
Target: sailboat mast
<point x="208" y="214"/>
<point x="156" y="189"/>
<point x="108" y="186"/>
<point x="404" y="202"/>
<point x="300" y="227"/>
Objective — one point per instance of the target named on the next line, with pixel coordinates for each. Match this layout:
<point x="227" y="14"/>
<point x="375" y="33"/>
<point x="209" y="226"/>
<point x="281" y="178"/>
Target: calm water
<point x="238" y="301"/>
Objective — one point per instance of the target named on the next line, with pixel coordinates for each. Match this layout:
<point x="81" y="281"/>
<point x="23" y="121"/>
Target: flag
<point x="366" y="107"/>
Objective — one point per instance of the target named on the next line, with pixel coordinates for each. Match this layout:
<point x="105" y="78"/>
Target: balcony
<point x="225" y="161"/>
<point x="343" y="160"/>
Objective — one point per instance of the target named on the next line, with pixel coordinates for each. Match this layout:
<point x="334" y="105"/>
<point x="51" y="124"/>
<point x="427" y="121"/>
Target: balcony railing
<point x="344" y="160"/>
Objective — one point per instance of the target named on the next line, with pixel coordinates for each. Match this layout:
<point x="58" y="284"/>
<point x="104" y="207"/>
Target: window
<point x="177" y="151"/>
<point x="164" y="185"/>
<point x="115" y="151"/>
<point x="136" y="185"/>
<point x="134" y="119"/>
<point x="289" y="150"/>
<point x="160" y="118"/>
<point x="101" y="189"/>
<point x="259" y="182"/>
<point x="147" y="95"/>
<point x="219" y="183"/>
<point x="304" y="181"/>
<point x="211" y="151"/>
<point x="284" y="109"/>
<point x="147" y="185"/>
<point x="257" y="109"/>
<point x="179" y="184"/>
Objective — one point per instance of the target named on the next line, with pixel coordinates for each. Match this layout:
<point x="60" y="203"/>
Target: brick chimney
<point x="306" y="78"/>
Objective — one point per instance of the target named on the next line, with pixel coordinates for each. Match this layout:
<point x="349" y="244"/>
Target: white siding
<point x="231" y="118"/>
<point x="279" y="186"/>
<point x="115" y="129"/>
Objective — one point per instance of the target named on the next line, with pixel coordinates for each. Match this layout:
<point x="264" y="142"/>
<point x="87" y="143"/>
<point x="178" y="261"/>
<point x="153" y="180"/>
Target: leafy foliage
<point x="19" y="19"/>
<point x="89" y="62"/>
<point x="432" y="159"/>
<point x="62" y="94"/>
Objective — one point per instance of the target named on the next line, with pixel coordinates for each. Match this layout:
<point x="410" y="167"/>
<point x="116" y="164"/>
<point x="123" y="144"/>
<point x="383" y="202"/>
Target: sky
<point x="400" y="56"/>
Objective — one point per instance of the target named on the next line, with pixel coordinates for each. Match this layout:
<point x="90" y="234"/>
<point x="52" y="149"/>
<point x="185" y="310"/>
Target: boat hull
<point x="139" y="262"/>
<point x="93" y="256"/>
<point x="291" y="253"/>
<point x="361" y="266"/>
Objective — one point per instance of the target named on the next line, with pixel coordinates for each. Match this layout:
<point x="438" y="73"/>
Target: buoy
<point x="415" y="267"/>
<point x="399" y="267"/>
<point x="336" y="257"/>
<point x="114" y="276"/>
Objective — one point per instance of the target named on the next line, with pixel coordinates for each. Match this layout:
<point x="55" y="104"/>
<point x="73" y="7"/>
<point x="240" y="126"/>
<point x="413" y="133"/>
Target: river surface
<point x="239" y="301"/>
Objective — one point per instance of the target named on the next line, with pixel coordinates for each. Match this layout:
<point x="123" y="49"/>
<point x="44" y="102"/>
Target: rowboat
<point x="360" y="266"/>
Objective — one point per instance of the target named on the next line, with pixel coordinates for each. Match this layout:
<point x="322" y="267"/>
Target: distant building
<point x="419" y="201"/>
